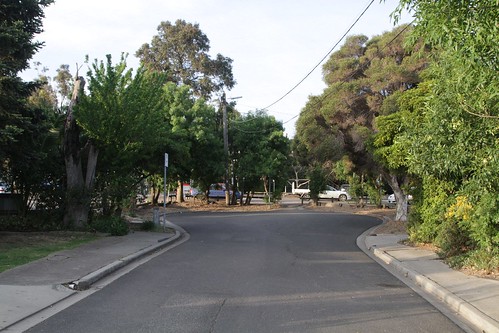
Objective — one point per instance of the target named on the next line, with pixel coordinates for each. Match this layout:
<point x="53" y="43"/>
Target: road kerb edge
<point x="86" y="282"/>
<point x="460" y="306"/>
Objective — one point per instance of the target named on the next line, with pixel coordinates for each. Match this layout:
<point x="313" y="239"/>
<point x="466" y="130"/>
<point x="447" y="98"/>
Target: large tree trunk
<point x="78" y="188"/>
<point x="180" y="191"/>
<point x="400" y="196"/>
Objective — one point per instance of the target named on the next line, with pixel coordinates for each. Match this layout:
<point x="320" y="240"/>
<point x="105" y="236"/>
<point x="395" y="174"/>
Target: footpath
<point x="28" y="290"/>
<point x="474" y="299"/>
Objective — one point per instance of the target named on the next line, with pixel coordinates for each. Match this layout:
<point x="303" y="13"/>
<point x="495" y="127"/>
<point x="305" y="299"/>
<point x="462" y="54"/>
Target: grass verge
<point x="18" y="248"/>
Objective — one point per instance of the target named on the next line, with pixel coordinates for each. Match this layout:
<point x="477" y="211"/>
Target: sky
<point x="274" y="44"/>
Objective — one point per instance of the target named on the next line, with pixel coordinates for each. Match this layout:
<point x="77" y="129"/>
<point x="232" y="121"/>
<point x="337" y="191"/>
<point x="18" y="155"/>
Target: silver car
<point x="4" y="188"/>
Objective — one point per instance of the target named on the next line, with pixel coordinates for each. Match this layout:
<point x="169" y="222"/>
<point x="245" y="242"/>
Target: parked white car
<point x="391" y="198"/>
<point x="331" y="193"/>
<point x="334" y="194"/>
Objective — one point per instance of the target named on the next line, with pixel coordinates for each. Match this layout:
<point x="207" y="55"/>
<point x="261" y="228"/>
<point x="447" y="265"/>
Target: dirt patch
<point x="493" y="275"/>
<point x="392" y="227"/>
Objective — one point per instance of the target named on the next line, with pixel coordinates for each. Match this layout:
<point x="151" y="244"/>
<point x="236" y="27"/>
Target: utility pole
<point x="226" y="146"/>
<point x="226" y="149"/>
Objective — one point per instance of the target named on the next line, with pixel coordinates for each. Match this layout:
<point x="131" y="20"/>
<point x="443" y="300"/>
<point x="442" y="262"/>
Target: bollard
<point x="155" y="216"/>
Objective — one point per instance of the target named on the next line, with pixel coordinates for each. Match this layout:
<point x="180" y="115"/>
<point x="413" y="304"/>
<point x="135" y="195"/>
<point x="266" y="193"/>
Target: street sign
<point x="166" y="160"/>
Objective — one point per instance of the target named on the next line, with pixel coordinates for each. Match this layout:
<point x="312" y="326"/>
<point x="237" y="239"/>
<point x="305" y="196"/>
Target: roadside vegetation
<point x="413" y="111"/>
<point x="417" y="108"/>
<point x="17" y="249"/>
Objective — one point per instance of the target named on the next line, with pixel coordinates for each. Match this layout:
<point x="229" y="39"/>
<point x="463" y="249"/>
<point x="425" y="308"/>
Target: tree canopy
<point x="181" y="50"/>
<point x="365" y="78"/>
<point x="20" y="21"/>
<point x="27" y="134"/>
<point x="454" y="128"/>
<point x="260" y="152"/>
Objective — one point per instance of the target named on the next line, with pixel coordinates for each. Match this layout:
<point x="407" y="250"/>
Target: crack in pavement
<point x="213" y="323"/>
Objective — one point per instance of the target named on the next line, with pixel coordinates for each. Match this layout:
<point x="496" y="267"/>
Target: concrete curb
<point x="86" y="282"/>
<point x="463" y="308"/>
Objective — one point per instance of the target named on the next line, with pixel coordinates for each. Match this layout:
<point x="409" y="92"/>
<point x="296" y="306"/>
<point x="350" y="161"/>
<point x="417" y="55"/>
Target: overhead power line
<point x="368" y="62"/>
<point x="323" y="58"/>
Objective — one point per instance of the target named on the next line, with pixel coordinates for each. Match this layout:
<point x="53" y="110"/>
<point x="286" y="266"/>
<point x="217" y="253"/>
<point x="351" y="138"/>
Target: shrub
<point x="47" y="220"/>
<point x="428" y="215"/>
<point x="148" y="226"/>
<point x="113" y="225"/>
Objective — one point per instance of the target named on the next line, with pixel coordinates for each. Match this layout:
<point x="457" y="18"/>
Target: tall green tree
<point x="181" y="50"/>
<point x="20" y="21"/>
<point x="117" y="120"/>
<point x="365" y="78"/>
<point x="24" y="127"/>
<point x="455" y="142"/>
<point x="203" y="163"/>
<point x="260" y="152"/>
<point x="34" y="163"/>
<point x="196" y="142"/>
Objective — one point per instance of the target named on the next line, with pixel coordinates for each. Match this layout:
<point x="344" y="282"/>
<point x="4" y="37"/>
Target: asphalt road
<point x="295" y="271"/>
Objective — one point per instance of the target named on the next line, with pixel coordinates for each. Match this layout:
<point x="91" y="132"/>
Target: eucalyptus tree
<point x="63" y="81"/>
<point x="365" y="78"/>
<point x="260" y="153"/>
<point x="181" y="50"/>
<point x="196" y="147"/>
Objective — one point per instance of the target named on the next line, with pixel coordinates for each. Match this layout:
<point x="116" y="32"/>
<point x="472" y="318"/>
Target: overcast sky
<point x="273" y="43"/>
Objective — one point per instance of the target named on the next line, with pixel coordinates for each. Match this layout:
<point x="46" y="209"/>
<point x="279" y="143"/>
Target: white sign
<point x="166" y="160"/>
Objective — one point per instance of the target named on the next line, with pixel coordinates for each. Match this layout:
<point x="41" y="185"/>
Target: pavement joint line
<point x="463" y="308"/>
<point x="86" y="282"/>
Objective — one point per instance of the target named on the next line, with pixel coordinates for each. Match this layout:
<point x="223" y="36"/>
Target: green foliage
<point x="360" y="188"/>
<point x="259" y="151"/>
<point x="476" y="259"/>
<point x="181" y="51"/>
<point x="123" y="116"/>
<point x="147" y="226"/>
<point x="343" y="169"/>
<point x="27" y="148"/>
<point x="468" y="28"/>
<point x="20" y="21"/>
<point x="113" y="225"/>
<point x="358" y="114"/>
<point x="41" y="220"/>
<point x="195" y="143"/>
<point x="317" y="183"/>
<point x="428" y="215"/>
<point x="455" y="128"/>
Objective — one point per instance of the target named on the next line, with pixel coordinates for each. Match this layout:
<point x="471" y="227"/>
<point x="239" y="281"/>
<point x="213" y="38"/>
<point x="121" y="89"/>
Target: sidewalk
<point x="31" y="288"/>
<point x="474" y="299"/>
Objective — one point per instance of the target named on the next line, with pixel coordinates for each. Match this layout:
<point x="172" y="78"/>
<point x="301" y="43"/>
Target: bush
<point x="477" y="259"/>
<point x="46" y="220"/>
<point x="429" y="214"/>
<point x="147" y="226"/>
<point x="113" y="225"/>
